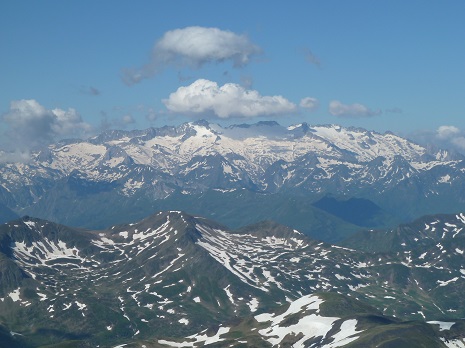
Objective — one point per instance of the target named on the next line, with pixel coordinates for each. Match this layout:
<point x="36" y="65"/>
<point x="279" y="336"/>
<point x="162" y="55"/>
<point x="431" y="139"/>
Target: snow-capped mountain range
<point x="264" y="157"/>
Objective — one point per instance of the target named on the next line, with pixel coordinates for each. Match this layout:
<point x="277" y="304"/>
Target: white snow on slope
<point x="45" y="250"/>
<point x="447" y="282"/>
<point x="455" y="343"/>
<point x="443" y="325"/>
<point x="369" y="145"/>
<point x="345" y="335"/>
<point x="241" y="253"/>
<point x="311" y="325"/>
<point x="196" y="339"/>
<point x="14" y="295"/>
<point x="248" y="154"/>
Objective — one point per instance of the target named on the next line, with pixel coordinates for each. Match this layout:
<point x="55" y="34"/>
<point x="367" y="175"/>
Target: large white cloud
<point x="336" y="108"/>
<point x="230" y="100"/>
<point x="31" y="124"/>
<point x="193" y="47"/>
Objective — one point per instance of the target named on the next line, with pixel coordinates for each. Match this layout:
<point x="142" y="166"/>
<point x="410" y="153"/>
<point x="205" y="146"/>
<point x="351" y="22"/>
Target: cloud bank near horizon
<point x="451" y="135"/>
<point x="30" y="124"/>
<point x="230" y="100"/>
<point x="356" y="110"/>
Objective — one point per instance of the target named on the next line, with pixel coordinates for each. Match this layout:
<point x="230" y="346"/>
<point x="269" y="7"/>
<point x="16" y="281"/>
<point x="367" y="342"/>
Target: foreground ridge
<point x="176" y="275"/>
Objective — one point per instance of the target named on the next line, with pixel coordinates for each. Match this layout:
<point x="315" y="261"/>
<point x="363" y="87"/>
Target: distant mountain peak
<point x="268" y="123"/>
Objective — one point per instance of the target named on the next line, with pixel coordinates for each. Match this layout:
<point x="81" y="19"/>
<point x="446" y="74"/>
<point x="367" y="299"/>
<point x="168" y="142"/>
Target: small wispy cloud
<point x="89" y="90"/>
<point x="125" y="121"/>
<point x="151" y="115"/>
<point x="230" y="100"/>
<point x="311" y="57"/>
<point x="247" y="81"/>
<point x="393" y="111"/>
<point x="193" y="47"/>
<point x="115" y="122"/>
<point x="309" y="103"/>
<point x="338" y="109"/>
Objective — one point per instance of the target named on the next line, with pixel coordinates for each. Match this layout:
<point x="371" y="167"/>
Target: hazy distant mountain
<point x="358" y="211"/>
<point x="170" y="167"/>
<point x="6" y="214"/>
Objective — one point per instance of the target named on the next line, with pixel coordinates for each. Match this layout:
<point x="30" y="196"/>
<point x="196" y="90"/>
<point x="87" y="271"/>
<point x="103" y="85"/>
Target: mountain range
<point x="263" y="236"/>
<point x="238" y="175"/>
<point x="173" y="279"/>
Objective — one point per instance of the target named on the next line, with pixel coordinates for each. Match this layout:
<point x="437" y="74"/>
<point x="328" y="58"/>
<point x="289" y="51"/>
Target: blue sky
<point x="71" y="68"/>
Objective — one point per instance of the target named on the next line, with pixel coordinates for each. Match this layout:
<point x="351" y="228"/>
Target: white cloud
<point x="31" y="124"/>
<point x="151" y="115"/>
<point x="230" y="100"/>
<point x="309" y="103"/>
<point x="89" y="90"/>
<point x="459" y="142"/>
<point x="336" y="108"/>
<point x="121" y="122"/>
<point x="194" y="47"/>
<point x="444" y="137"/>
<point x="310" y="57"/>
<point x="447" y="132"/>
<point x="68" y="123"/>
<point x="22" y="156"/>
<point x="128" y="119"/>
<point x="451" y="135"/>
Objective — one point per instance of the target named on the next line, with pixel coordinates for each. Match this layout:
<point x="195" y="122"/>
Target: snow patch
<point x="447" y="282"/>
<point x="443" y="325"/>
<point x="345" y="335"/>
<point x="196" y="339"/>
<point x="14" y="295"/>
<point x="457" y="343"/>
<point x="311" y="325"/>
<point x="253" y="304"/>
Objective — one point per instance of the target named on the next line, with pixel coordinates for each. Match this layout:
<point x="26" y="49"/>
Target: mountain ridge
<point x="176" y="275"/>
<point x="146" y="167"/>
